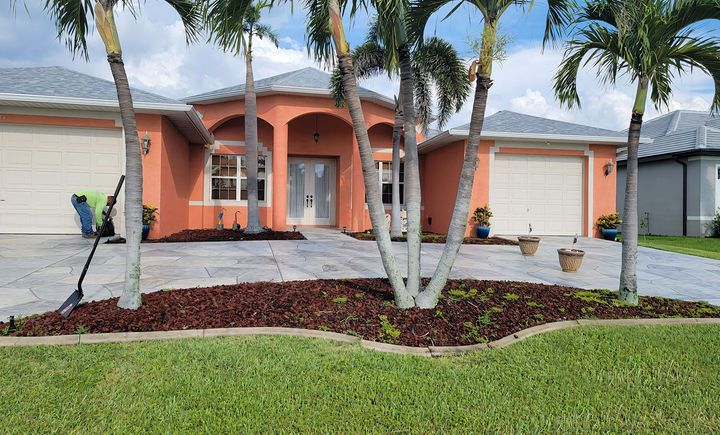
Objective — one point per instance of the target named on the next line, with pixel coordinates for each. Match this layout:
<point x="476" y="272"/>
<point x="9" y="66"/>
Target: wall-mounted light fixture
<point x="146" y="139"/>
<point x="609" y="167"/>
<point x="316" y="135"/>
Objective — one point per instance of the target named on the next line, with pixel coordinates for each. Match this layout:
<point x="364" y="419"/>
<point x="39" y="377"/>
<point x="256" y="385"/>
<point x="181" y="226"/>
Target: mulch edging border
<point x="430" y="351"/>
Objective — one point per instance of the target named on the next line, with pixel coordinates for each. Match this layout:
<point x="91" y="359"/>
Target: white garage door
<point x="545" y="191"/>
<point x="41" y="167"/>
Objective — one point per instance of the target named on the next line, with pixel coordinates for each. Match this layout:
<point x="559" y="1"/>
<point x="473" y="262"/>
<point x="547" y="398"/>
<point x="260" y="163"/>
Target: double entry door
<point x="311" y="191"/>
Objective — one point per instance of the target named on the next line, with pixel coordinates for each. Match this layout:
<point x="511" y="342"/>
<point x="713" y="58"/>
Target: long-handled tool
<point x="74" y="300"/>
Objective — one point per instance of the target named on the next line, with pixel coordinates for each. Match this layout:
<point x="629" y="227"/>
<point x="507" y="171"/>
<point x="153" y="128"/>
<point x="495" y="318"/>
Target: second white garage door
<point x="546" y="191"/>
<point x="41" y="167"/>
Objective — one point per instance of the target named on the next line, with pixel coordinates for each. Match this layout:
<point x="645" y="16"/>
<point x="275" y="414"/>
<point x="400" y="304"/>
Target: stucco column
<point x="279" y="177"/>
<point x="358" y="189"/>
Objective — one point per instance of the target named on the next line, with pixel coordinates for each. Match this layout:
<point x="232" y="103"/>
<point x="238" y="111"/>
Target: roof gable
<point x="306" y="80"/>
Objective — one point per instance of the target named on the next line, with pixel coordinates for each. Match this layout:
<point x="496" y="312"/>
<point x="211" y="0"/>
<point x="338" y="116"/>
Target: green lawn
<point x="604" y="379"/>
<point x="699" y="246"/>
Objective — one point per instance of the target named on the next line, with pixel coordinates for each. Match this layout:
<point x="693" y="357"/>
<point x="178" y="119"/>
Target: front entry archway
<point x="311" y="191"/>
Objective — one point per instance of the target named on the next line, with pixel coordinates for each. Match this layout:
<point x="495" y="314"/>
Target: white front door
<point x="311" y="191"/>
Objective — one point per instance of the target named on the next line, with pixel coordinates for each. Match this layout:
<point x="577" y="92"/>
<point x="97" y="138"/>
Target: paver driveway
<point x="38" y="272"/>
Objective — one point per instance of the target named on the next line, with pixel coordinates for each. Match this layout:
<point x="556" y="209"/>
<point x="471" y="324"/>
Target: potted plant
<point x="148" y="217"/>
<point x="481" y="218"/>
<point x="529" y="244"/>
<point x="571" y="259"/>
<point x="608" y="225"/>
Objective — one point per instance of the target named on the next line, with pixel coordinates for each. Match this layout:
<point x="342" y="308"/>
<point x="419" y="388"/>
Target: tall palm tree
<point x="651" y="42"/>
<point x="325" y="39"/>
<point x="558" y="15"/>
<point x="71" y="20"/>
<point x="435" y="64"/>
<point x="233" y="24"/>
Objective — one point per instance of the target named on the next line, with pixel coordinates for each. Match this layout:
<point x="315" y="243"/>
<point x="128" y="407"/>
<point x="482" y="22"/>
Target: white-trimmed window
<point x="385" y="173"/>
<point x="229" y="172"/>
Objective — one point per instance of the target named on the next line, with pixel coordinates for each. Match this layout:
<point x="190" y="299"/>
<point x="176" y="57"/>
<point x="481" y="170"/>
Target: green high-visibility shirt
<point x="96" y="200"/>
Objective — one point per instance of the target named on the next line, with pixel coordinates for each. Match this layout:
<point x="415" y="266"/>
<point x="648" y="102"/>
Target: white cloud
<point x="534" y="103"/>
<point x="159" y="60"/>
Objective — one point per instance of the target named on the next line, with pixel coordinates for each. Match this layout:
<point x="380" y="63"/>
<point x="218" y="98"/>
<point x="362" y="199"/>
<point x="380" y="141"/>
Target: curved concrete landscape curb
<point x="430" y="351"/>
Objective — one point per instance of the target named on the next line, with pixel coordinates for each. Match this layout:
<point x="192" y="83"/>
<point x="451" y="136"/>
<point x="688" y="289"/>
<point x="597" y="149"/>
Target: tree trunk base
<point x="253" y="230"/>
<point x="629" y="296"/>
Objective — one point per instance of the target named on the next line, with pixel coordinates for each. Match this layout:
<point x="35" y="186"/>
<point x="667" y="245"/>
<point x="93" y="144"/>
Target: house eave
<point x="455" y="134"/>
<point x="177" y="113"/>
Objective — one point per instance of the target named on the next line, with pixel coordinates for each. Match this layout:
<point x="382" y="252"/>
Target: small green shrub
<point x="511" y="296"/>
<point x="340" y="300"/>
<point x="388" y="329"/>
<point x="596" y="296"/>
<point x="459" y="294"/>
<point x="324" y="328"/>
<point x="359" y="295"/>
<point x="608" y="221"/>
<point x="534" y="304"/>
<point x="714" y="225"/>
<point x="81" y="329"/>
<point x="481" y="216"/>
<point x="148" y="214"/>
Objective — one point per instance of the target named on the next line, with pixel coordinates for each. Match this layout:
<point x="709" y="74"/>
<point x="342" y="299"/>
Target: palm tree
<point x="559" y="13"/>
<point x="651" y="42"/>
<point x="232" y="25"/>
<point x="71" y="20"/>
<point x="435" y="64"/>
<point x="326" y="38"/>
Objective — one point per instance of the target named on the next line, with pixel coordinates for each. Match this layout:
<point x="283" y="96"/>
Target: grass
<point x="698" y="246"/>
<point x="604" y="379"/>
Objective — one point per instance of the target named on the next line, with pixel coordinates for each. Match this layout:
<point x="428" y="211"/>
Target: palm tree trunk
<point x="412" y="173"/>
<point x="395" y="221"/>
<point x="370" y="175"/>
<point x="251" y="144"/>
<point x="458" y="223"/>
<point x="105" y="22"/>
<point x="628" y="270"/>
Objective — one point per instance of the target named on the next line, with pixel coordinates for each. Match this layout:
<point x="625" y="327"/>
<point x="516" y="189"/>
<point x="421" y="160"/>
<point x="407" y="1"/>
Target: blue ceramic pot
<point x="482" y="232"/>
<point x="145" y="231"/>
<point x="609" y="233"/>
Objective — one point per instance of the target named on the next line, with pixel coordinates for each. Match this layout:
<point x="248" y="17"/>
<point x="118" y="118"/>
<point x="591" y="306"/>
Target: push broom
<point x="74" y="300"/>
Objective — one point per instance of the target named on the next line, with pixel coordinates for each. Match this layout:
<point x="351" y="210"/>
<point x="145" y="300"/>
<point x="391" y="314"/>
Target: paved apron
<point x="38" y="272"/>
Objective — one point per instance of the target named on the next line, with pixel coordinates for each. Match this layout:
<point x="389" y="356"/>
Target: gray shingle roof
<point x="56" y="81"/>
<point x="680" y="131"/>
<point x="306" y="79"/>
<point x="506" y="121"/>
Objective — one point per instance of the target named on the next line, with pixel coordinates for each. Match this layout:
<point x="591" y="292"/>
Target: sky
<point x="158" y="60"/>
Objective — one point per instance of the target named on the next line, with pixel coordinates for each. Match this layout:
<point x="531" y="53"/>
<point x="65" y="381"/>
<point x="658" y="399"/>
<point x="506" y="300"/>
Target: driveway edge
<point x="430" y="351"/>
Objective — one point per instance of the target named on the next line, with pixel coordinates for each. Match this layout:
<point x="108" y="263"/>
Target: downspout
<point x="684" y="222"/>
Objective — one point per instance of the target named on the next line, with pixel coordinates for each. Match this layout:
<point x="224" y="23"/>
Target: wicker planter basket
<point x="528" y="244"/>
<point x="570" y="259"/>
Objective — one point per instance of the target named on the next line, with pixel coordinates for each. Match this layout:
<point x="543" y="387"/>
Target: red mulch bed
<point x="470" y="311"/>
<point x="210" y="235"/>
<point x="441" y="238"/>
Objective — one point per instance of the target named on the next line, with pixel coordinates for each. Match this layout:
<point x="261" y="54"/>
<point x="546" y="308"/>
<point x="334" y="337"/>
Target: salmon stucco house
<point x="60" y="131"/>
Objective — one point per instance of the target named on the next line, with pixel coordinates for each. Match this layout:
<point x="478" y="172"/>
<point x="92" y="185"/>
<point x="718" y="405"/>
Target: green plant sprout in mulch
<point x="469" y="312"/>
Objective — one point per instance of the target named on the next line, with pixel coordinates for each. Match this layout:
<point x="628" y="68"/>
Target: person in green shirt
<point x="85" y="201"/>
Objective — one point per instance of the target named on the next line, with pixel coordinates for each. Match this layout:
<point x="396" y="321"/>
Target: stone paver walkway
<point x="38" y="272"/>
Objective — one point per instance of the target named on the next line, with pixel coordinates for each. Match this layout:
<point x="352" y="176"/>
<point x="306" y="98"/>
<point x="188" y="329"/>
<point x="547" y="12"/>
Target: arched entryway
<point x="319" y="175"/>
